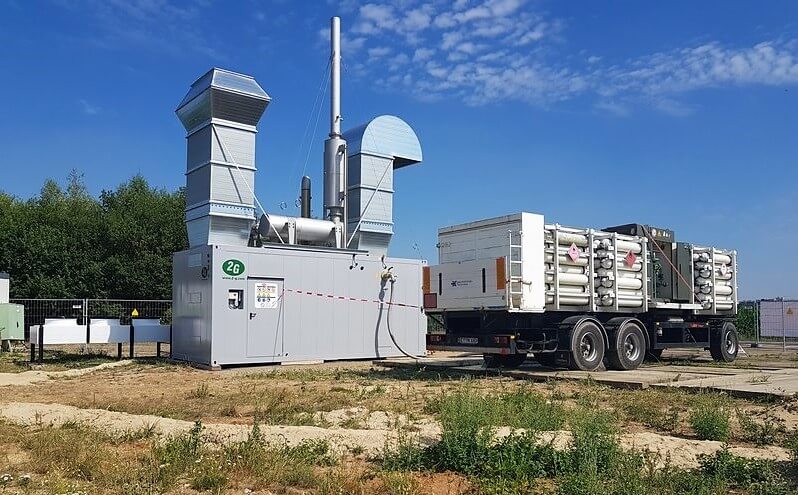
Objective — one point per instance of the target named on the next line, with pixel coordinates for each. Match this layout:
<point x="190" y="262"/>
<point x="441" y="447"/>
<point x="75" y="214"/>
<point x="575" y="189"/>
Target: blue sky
<point x="679" y="114"/>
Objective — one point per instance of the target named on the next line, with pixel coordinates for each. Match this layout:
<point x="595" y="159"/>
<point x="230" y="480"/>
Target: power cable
<point x="388" y="321"/>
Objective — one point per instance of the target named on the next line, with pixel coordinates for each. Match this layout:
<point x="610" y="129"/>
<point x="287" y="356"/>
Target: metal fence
<point x="777" y="321"/>
<point x="39" y="310"/>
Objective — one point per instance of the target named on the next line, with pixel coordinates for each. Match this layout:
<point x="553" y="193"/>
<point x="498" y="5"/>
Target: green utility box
<point x="12" y="322"/>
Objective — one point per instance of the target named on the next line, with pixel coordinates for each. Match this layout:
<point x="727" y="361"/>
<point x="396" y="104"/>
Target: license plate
<point x="467" y="340"/>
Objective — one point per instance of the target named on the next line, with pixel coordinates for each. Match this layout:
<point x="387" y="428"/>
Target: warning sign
<point x="790" y="312"/>
<point x="630" y="259"/>
<point x="266" y="295"/>
<point x="573" y="252"/>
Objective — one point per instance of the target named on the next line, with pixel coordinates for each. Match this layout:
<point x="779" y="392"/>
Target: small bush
<point x="399" y="484"/>
<point x="76" y="451"/>
<point x="209" y="475"/>
<point x="201" y="392"/>
<point x="652" y="409"/>
<point x="755" y="475"/>
<point x="595" y="447"/>
<point x="710" y="421"/>
<point x="765" y="432"/>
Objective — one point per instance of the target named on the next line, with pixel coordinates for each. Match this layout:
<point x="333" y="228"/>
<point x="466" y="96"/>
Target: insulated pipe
<point x="304" y="197"/>
<point x="304" y="229"/>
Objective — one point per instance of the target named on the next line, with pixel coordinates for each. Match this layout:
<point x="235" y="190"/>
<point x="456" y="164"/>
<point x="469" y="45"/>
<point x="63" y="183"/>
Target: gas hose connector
<point x="388" y="275"/>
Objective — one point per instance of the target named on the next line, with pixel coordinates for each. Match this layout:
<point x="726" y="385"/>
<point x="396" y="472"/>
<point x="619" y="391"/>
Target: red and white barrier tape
<point x="354" y="299"/>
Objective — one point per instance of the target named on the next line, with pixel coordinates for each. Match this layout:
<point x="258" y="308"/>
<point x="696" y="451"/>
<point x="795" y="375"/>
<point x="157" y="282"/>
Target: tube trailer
<point x="514" y="286"/>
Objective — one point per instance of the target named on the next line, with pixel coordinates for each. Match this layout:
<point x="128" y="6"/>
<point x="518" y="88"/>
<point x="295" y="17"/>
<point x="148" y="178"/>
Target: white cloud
<point x="379" y="14"/>
<point x="450" y="40"/>
<point x="378" y="52"/>
<point x="483" y="51"/>
<point x="88" y="108"/>
<point x="445" y="20"/>
<point x="416" y="19"/>
<point x="613" y="107"/>
<point x="422" y="54"/>
<point x="164" y="26"/>
<point x="398" y="61"/>
<point x="708" y="65"/>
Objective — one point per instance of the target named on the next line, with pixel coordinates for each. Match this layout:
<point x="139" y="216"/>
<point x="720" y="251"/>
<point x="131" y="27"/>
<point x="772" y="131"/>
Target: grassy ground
<point x="494" y="435"/>
<point x="56" y="360"/>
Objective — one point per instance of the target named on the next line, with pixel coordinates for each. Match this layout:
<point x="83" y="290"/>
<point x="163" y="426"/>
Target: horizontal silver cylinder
<point x="305" y="229"/>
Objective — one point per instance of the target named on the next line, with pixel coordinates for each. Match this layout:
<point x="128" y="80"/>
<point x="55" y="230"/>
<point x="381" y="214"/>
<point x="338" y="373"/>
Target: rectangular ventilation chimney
<point x="220" y="114"/>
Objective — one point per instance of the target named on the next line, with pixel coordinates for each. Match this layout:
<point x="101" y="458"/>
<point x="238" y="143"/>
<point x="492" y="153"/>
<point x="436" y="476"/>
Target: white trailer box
<point x="479" y="259"/>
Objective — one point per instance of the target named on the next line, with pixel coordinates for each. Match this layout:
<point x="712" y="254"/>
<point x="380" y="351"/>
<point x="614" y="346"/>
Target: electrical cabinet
<point x="12" y="322"/>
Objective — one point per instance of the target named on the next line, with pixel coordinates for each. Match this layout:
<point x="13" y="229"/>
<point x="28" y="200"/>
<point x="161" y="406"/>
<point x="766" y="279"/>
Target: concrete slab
<point x="742" y="382"/>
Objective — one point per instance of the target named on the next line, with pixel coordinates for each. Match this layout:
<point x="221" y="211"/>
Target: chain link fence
<point x="81" y="310"/>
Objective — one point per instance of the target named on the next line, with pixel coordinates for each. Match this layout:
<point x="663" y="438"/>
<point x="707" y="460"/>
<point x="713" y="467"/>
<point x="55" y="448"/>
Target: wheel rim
<point x="731" y="344"/>
<point x="587" y="345"/>
<point x="632" y="347"/>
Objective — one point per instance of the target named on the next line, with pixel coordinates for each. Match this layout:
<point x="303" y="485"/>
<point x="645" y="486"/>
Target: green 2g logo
<point x="233" y="268"/>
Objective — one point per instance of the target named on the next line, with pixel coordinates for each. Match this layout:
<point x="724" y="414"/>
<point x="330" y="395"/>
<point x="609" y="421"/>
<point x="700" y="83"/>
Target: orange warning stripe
<point x="501" y="274"/>
<point x="425" y="285"/>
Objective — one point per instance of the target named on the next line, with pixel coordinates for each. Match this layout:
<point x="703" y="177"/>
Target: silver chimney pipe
<point x="335" y="76"/>
<point x="335" y="181"/>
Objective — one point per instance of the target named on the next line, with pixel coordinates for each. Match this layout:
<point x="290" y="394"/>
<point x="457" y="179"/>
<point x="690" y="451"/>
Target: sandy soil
<point x="30" y="377"/>
<point x="378" y="433"/>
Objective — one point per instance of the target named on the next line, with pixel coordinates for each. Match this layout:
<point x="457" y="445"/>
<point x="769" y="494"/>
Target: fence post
<point x="41" y="343"/>
<point x="783" y="329"/>
<point x="757" y="314"/>
<point x="132" y="338"/>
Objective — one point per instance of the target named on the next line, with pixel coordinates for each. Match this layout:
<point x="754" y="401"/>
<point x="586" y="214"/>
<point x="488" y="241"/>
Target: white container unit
<point x="495" y="263"/>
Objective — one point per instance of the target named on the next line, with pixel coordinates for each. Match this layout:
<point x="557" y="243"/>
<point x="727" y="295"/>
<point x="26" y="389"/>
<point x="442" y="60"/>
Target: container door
<point x="265" y="304"/>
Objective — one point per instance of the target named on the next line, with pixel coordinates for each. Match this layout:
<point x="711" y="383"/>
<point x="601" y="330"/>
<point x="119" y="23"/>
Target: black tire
<point x="654" y="355"/>
<point x="723" y="343"/>
<point x="547" y="359"/>
<point x="587" y="346"/>
<point x="627" y="348"/>
<point x="503" y="360"/>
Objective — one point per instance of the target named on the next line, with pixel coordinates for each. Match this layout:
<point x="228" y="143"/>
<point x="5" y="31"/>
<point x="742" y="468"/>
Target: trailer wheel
<point x="587" y="346"/>
<point x="503" y="360"/>
<point x="627" y="347"/>
<point x="547" y="359"/>
<point x="723" y="343"/>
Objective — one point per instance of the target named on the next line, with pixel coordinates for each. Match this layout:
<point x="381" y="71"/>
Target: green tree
<point x="144" y="226"/>
<point x="65" y="243"/>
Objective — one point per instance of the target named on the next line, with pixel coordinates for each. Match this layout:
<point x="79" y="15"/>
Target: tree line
<point x="65" y="243"/>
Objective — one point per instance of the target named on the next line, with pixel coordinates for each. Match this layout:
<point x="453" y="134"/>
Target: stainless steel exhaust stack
<point x="335" y="181"/>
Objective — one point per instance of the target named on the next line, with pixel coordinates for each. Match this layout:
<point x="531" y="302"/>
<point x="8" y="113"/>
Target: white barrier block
<point x="150" y="330"/>
<point x="59" y="332"/>
<point x="108" y="332"/>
